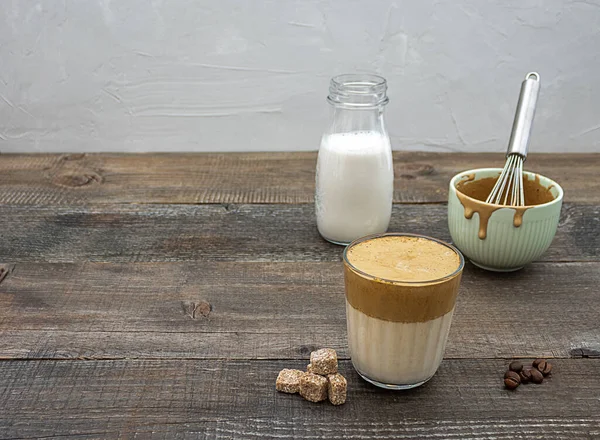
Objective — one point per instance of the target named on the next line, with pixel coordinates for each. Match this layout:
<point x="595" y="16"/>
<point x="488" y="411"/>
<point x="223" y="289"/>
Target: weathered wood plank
<point x="76" y="179"/>
<point x="237" y="399"/>
<point x="274" y="310"/>
<point x="143" y="233"/>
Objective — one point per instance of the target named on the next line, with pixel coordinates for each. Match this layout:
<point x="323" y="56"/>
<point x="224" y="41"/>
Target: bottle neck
<point x="344" y="120"/>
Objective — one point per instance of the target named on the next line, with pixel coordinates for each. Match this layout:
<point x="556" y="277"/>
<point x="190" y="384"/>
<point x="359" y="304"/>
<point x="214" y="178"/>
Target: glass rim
<point x="461" y="264"/>
<point x="360" y="80"/>
<point x="358" y="91"/>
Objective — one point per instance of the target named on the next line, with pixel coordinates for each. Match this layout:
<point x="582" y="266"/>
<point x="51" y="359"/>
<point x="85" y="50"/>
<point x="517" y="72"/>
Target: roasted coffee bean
<point x="525" y="375"/>
<point x="537" y="362"/>
<point x="536" y="376"/>
<point x="541" y="365"/>
<point x="547" y="369"/>
<point x="515" y="366"/>
<point x="512" y="380"/>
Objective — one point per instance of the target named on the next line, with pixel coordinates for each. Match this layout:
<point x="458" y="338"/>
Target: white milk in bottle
<point x="355" y="175"/>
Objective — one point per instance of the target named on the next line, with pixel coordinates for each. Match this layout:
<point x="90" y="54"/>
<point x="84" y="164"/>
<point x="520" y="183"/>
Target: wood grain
<point x="126" y="311"/>
<point x="146" y="233"/>
<point x="237" y="399"/>
<point x="77" y="179"/>
<point x="274" y="310"/>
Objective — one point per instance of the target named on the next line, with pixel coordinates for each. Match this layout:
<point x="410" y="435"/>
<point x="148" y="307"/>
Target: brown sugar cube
<point x="313" y="387"/>
<point x="324" y="361"/>
<point x="310" y="369"/>
<point x="337" y="387"/>
<point x="288" y="381"/>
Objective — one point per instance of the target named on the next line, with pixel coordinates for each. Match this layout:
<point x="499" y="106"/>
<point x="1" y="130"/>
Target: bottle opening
<point x="358" y="91"/>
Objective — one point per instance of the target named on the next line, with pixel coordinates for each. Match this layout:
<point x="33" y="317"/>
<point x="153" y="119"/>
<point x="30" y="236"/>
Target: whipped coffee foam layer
<point x="402" y="278"/>
<point x="403" y="258"/>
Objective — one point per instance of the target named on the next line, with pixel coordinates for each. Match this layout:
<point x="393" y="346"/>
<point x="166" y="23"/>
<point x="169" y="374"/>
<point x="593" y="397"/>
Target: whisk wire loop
<point x="508" y="189"/>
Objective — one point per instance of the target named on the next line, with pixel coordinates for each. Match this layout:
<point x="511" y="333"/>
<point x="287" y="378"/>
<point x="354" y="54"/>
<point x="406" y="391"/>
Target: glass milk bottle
<point x="355" y="173"/>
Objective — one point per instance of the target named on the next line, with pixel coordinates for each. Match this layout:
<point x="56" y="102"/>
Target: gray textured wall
<point x="150" y="75"/>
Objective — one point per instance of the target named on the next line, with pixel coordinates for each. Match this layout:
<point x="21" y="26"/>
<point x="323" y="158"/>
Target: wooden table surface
<point x="108" y="263"/>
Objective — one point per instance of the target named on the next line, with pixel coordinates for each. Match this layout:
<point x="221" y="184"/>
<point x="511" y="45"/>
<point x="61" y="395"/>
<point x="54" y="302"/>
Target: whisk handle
<point x="521" y="130"/>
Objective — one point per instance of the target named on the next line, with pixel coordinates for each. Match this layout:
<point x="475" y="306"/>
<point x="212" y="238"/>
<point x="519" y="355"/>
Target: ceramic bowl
<point x="505" y="247"/>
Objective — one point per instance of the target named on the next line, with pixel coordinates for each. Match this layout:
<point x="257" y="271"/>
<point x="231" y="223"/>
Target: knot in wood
<point x="416" y="169"/>
<point x="203" y="308"/>
<point x="73" y="156"/>
<point x="4" y="272"/>
<point x="407" y="176"/>
<point x="74" y="180"/>
<point x="306" y="350"/>
<point x="196" y="310"/>
<point x="584" y="352"/>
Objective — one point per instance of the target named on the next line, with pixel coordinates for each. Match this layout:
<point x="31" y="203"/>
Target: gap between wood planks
<point x="578" y="354"/>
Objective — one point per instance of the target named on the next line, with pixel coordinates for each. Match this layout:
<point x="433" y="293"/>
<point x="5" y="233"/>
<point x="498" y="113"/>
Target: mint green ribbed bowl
<point x="506" y="248"/>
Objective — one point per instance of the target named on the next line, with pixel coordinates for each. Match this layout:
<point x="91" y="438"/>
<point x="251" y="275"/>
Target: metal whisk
<point x="509" y="187"/>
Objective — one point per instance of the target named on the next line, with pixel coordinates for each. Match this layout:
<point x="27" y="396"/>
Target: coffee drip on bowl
<point x="473" y="193"/>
